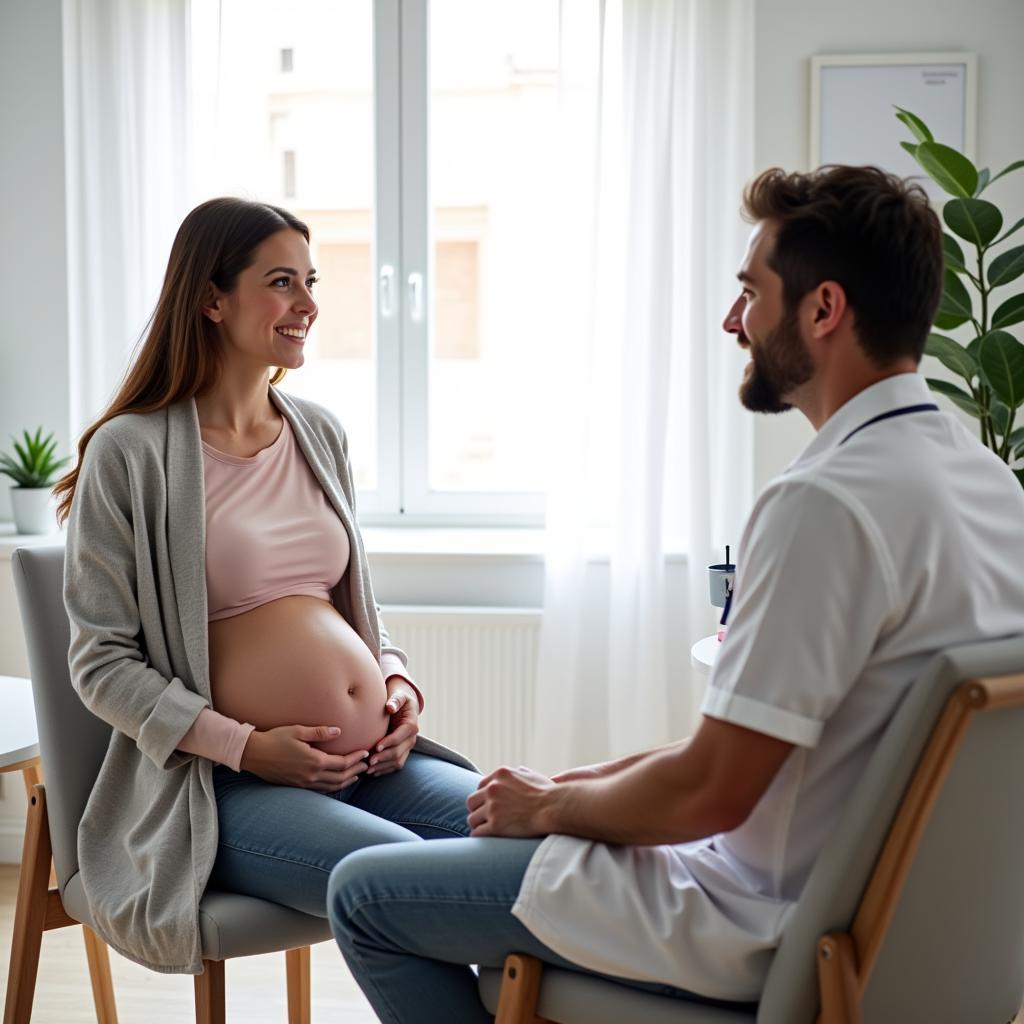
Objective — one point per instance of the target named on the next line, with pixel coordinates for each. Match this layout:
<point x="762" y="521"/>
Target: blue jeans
<point x="409" y="920"/>
<point x="280" y="842"/>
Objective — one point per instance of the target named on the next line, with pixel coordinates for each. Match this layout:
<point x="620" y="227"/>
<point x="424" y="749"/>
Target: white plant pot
<point x="34" y="510"/>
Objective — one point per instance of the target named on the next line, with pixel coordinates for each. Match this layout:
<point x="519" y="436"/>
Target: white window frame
<point x="404" y="275"/>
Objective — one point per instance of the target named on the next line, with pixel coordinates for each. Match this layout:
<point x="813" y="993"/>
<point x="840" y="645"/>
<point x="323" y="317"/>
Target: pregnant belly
<point x="296" y="661"/>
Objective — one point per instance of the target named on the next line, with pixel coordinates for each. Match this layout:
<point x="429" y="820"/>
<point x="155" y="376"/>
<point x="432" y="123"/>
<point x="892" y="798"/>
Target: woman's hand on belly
<point x="393" y="750"/>
<point x="285" y="757"/>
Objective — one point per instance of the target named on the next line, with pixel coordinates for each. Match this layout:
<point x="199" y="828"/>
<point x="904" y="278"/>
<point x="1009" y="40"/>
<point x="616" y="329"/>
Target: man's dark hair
<point x="871" y="232"/>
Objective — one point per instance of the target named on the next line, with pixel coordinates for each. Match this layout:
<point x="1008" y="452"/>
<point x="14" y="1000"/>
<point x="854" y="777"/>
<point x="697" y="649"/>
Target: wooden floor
<point x="255" y="984"/>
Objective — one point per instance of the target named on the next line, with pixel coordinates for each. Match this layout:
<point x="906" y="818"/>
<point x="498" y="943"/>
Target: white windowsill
<point x="403" y="543"/>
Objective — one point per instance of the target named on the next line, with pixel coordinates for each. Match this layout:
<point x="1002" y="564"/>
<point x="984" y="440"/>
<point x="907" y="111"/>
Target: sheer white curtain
<point x="126" y="105"/>
<point x="651" y="443"/>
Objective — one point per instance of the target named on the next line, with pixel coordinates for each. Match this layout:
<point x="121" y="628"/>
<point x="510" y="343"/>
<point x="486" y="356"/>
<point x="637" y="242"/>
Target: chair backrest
<point x="72" y="741"/>
<point x="955" y="946"/>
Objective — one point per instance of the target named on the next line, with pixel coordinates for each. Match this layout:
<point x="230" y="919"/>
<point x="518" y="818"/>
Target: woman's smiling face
<point x="264" y="320"/>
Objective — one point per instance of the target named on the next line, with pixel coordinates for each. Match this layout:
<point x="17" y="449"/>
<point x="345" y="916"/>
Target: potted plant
<point x="991" y="362"/>
<point x="34" y="473"/>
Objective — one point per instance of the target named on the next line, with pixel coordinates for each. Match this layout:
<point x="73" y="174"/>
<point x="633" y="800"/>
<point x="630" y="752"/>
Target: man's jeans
<point x="409" y="921"/>
<point x="280" y="842"/>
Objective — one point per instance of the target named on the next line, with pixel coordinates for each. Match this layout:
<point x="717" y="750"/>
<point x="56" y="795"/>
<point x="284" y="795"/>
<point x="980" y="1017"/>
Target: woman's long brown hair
<point x="179" y="358"/>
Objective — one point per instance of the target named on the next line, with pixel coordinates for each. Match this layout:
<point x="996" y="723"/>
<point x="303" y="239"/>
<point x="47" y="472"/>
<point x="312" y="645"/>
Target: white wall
<point x="33" y="283"/>
<point x="789" y="32"/>
<point x="34" y="382"/>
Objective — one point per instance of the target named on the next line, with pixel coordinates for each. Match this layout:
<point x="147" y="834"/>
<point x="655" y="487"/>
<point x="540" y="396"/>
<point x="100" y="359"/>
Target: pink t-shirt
<point x="270" y="532"/>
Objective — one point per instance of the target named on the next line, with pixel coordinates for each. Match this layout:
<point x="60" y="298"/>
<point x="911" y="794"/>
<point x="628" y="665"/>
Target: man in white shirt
<point x="894" y="535"/>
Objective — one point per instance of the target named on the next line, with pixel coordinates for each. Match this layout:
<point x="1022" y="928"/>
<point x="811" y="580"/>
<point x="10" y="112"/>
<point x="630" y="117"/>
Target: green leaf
<point x="1001" y="357"/>
<point x="955" y="307"/>
<point x="1000" y="414"/>
<point x="950" y="170"/>
<point x="1006" y="267"/>
<point x="952" y="355"/>
<point x="983" y="175"/>
<point x="955" y="395"/>
<point x="911" y="148"/>
<point x="975" y="220"/>
<point x="917" y="127"/>
<point x="1006" y="234"/>
<point x="1009" y="312"/>
<point x="1017" y="442"/>
<point x="1015" y="166"/>
<point x="953" y="254"/>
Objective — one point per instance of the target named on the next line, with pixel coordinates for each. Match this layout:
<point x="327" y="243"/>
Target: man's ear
<point x="213" y="302"/>
<point x="827" y="306"/>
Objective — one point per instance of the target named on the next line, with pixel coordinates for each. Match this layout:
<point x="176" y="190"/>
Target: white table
<point x="19" y="742"/>
<point x="704" y="652"/>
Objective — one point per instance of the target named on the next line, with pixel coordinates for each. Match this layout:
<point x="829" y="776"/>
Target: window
<point x="425" y="131"/>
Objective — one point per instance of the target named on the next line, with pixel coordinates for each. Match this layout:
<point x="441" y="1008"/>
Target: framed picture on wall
<point x="853" y="101"/>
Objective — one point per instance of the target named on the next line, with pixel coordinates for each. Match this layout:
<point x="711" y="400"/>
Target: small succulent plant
<point x="35" y="465"/>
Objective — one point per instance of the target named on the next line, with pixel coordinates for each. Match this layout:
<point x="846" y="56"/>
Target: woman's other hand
<point x="403" y="706"/>
<point x="284" y="757"/>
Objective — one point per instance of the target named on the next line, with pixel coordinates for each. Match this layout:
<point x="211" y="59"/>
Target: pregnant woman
<point x="222" y="617"/>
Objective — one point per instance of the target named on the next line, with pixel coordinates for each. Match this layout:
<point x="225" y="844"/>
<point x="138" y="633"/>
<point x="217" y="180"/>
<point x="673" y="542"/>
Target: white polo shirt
<point x="855" y="567"/>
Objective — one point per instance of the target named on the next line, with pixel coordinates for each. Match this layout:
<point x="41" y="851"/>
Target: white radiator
<point x="476" y="667"/>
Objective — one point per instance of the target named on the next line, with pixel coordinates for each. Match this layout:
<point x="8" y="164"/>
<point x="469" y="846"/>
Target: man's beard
<point x="778" y="365"/>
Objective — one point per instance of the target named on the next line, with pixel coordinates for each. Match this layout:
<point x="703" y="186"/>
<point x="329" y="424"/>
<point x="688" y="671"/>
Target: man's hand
<point x="512" y="802"/>
<point x="284" y="757"/>
<point x="403" y="705"/>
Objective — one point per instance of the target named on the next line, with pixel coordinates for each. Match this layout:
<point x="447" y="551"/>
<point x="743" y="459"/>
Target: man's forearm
<point x="605" y="768"/>
<point x="658" y="798"/>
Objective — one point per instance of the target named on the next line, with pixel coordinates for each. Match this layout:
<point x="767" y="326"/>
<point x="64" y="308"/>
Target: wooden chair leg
<point x="838" y="984"/>
<point x="31" y="777"/>
<point x="29" y="913"/>
<point x="520" y="987"/>
<point x="99" y="971"/>
<point x="297" y="972"/>
<point x="210" y="993"/>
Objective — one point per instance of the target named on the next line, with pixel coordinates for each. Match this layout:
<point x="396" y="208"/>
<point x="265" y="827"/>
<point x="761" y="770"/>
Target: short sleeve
<point x="813" y="590"/>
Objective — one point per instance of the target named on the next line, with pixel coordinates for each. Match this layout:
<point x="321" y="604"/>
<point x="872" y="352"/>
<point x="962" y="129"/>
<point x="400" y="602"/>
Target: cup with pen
<point x="721" y="579"/>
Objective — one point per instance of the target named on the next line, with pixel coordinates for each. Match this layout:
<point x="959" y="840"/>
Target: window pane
<point x="287" y="118"/>
<point x="493" y="95"/>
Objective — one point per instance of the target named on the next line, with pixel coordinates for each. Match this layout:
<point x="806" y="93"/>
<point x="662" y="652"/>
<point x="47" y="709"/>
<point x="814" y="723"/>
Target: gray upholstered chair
<point x="915" y="909"/>
<point x="72" y="744"/>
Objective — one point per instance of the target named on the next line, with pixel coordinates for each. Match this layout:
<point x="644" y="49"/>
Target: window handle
<point x="416" y="297"/>
<point x="387" y="290"/>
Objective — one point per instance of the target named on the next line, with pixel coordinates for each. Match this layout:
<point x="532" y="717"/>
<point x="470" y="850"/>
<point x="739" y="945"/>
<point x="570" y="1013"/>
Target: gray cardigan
<point x="135" y="591"/>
